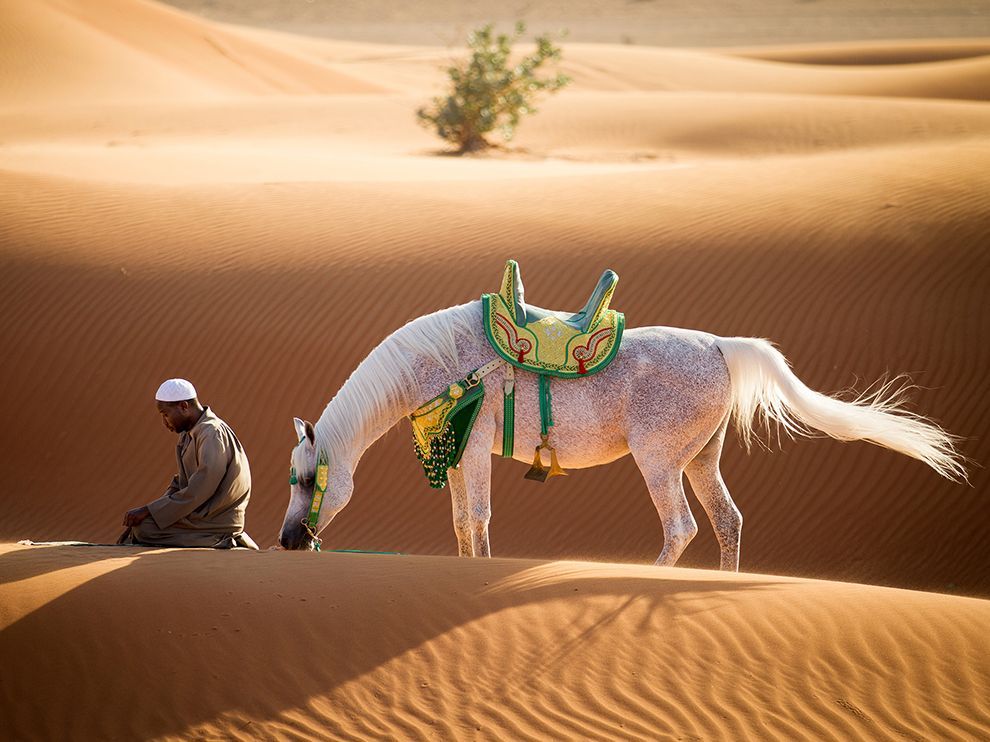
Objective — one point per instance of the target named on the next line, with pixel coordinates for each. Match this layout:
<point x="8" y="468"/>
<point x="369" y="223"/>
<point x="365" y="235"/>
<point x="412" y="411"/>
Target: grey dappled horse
<point x="667" y="399"/>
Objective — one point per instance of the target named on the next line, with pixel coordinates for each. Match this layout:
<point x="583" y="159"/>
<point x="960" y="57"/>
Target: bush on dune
<point x="487" y="94"/>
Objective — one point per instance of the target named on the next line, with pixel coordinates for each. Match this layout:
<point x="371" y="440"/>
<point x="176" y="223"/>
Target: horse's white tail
<point x="762" y="381"/>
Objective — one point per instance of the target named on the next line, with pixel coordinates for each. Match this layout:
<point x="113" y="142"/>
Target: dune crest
<point x="870" y="52"/>
<point x="357" y="646"/>
<point x="64" y="51"/>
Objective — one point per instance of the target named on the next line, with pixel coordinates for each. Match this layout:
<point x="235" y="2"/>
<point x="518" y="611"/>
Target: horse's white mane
<point x="387" y="373"/>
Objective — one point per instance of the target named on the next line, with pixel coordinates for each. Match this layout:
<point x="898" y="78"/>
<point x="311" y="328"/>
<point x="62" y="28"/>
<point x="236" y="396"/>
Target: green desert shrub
<point x="487" y="94"/>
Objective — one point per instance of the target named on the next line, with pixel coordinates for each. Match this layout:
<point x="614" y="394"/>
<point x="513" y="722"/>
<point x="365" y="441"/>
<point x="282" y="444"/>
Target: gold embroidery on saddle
<point x="548" y="342"/>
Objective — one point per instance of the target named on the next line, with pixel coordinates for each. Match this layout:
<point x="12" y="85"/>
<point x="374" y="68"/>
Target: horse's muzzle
<point x="296" y="538"/>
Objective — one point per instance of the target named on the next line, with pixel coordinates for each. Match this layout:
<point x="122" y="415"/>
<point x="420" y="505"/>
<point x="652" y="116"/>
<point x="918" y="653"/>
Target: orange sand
<point x="180" y="197"/>
<point x="210" y="645"/>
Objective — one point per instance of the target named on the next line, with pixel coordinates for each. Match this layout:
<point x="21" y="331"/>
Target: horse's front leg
<point x="459" y="502"/>
<point x="470" y="491"/>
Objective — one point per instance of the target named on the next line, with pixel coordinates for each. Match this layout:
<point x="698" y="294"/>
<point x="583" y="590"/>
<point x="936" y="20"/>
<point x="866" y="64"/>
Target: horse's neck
<point x="367" y="422"/>
<point x="368" y="428"/>
<point x="473" y="351"/>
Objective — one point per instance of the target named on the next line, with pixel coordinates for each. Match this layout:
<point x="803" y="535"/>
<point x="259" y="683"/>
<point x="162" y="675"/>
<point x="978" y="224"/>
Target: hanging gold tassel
<point x="538" y="472"/>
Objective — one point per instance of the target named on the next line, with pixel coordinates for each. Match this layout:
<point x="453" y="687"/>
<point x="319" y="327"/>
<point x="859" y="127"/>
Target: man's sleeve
<point x="173" y="487"/>
<point x="211" y="452"/>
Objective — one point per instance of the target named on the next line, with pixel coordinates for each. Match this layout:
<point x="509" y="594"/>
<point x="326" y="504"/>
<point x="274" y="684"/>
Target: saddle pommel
<point x="513" y="294"/>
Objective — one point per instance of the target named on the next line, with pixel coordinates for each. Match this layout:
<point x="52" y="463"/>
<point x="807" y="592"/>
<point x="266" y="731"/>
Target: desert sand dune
<point x="943" y="69"/>
<point x="64" y="52"/>
<point x="255" y="211"/>
<point x="355" y="647"/>
<point x="870" y="52"/>
<point x="854" y="299"/>
<point x="617" y="67"/>
<point x="126" y="49"/>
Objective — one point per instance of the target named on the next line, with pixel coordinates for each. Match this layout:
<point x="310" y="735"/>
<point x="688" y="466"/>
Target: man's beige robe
<point x="206" y="501"/>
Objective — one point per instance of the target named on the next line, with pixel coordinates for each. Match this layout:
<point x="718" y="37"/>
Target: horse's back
<point x="679" y="389"/>
<point x="664" y="382"/>
<point x="688" y="360"/>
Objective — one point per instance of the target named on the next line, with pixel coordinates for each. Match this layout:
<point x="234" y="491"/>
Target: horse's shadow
<point x="176" y="638"/>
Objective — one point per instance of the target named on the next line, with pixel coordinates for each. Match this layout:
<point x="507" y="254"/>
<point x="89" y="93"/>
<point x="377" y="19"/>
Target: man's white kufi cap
<point x="175" y="390"/>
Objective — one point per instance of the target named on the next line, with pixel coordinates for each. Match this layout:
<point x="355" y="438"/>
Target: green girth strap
<point x="546" y="408"/>
<point x="509" y="411"/>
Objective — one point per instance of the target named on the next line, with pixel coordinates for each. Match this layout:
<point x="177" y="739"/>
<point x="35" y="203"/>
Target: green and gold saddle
<point x="546" y="342"/>
<point x="550" y="342"/>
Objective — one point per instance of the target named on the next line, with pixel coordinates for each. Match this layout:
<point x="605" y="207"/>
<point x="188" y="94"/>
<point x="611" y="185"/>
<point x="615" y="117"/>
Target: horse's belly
<point x="589" y="422"/>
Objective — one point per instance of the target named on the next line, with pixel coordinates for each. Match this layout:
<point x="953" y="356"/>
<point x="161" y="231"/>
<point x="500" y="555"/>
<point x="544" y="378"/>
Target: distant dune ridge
<point x="256" y="210"/>
<point x="672" y="23"/>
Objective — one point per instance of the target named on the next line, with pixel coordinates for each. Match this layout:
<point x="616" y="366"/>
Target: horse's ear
<point x="310" y="432"/>
<point x="300" y="427"/>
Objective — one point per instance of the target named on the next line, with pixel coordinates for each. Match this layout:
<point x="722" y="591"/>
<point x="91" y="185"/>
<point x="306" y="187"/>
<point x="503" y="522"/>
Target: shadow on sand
<point x="169" y="639"/>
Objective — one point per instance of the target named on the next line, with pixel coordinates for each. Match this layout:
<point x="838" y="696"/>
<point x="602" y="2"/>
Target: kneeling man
<point x="205" y="504"/>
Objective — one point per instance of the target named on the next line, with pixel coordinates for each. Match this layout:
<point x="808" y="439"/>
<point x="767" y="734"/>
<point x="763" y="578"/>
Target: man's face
<point x="174" y="415"/>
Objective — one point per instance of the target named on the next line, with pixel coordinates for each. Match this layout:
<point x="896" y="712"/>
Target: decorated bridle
<point x="312" y="519"/>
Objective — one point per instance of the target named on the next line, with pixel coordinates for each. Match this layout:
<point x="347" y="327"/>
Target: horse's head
<point x="302" y="483"/>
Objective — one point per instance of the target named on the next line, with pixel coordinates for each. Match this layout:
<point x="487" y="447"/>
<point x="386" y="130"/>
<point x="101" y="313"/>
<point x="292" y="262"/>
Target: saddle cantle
<point x="550" y="342"/>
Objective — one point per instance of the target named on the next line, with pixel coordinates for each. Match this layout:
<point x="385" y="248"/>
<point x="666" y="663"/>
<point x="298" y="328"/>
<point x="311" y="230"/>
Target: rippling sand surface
<point x="255" y="210"/>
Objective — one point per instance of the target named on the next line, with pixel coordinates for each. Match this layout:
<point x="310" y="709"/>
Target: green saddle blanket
<point x="549" y="342"/>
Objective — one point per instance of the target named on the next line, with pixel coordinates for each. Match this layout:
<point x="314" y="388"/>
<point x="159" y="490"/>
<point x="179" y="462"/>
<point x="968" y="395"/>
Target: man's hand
<point x="135" y="516"/>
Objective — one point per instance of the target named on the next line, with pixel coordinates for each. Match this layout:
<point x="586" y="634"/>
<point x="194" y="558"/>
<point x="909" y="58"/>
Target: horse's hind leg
<point x="667" y="490"/>
<point x="706" y="481"/>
